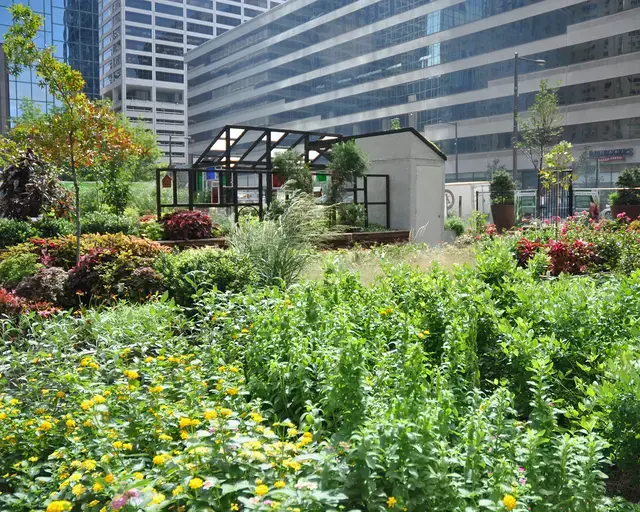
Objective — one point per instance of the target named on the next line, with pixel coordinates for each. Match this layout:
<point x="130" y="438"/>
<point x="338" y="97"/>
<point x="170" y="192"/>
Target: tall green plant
<point x="280" y="248"/>
<point x="541" y="128"/>
<point x="629" y="185"/>
<point x="347" y="163"/>
<point x="296" y="172"/>
<point x="502" y="188"/>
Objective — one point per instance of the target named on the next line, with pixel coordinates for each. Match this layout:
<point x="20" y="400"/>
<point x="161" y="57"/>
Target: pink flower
<point x="522" y="481"/>
<point x="208" y="484"/>
<point x="118" y="502"/>
<point x="132" y="493"/>
<point x="268" y="502"/>
<point x="521" y="469"/>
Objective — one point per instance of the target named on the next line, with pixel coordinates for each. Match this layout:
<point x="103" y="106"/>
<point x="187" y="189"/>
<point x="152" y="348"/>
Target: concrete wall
<point x="416" y="183"/>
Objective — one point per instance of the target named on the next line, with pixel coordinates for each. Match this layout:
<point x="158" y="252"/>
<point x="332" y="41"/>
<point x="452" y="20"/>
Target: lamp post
<point x="455" y="124"/>
<point x="517" y="58"/>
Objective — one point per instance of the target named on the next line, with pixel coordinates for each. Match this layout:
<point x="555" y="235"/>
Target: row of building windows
<point x="163" y="76"/>
<point x="522" y="31"/>
<point x="586" y="133"/>
<point x="423" y="89"/>
<point x="163" y="35"/>
<point x="145" y="60"/>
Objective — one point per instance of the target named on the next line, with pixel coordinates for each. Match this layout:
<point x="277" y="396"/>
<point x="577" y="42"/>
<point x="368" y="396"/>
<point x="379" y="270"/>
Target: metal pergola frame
<point x="256" y="159"/>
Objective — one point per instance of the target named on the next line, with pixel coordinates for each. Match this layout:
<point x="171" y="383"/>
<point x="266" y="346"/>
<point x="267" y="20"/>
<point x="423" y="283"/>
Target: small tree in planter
<point x="347" y="163"/>
<point x="502" y="192"/>
<point x="627" y="200"/>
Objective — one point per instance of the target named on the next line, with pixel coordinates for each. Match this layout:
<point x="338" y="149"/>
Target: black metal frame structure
<point x="239" y="150"/>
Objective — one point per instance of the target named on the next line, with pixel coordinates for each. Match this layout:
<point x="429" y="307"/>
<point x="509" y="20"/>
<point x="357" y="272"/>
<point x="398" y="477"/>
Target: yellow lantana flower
<point x="509" y="502"/>
<point x="131" y="374"/>
<point x="58" y="506"/>
<point x="391" y="502"/>
<point x="195" y="483"/>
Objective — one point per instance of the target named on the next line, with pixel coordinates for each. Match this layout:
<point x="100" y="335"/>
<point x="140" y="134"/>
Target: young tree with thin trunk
<point x="79" y="134"/>
<point x="541" y="129"/>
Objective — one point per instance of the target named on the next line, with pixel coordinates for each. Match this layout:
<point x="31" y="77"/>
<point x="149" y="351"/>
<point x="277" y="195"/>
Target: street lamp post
<point x="517" y="58"/>
<point x="455" y="125"/>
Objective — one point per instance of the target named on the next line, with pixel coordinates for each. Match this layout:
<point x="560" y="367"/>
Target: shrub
<point x="187" y="225"/>
<point x="502" y="188"/>
<point x="193" y="272"/>
<point x="454" y="224"/>
<point x="47" y="285"/>
<point x="351" y="214"/>
<point x="12" y="306"/>
<point x="104" y="222"/>
<point x="628" y="180"/>
<point x="52" y="227"/>
<point x="13" y="232"/>
<point x="16" y="267"/>
<point x="61" y="252"/>
<point x="279" y="249"/>
<point x="150" y="228"/>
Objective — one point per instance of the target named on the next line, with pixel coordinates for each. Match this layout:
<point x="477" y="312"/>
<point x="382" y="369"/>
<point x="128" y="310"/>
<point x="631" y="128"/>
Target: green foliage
<point x="628" y="180"/>
<point x="279" y="249"/>
<point x="351" y="214"/>
<point x="542" y="126"/>
<point x="346" y="163"/>
<point x="454" y="224"/>
<point x="13" y="232"/>
<point x="296" y="173"/>
<point x="104" y="222"/>
<point x="51" y="227"/>
<point x="189" y="274"/>
<point x="557" y="164"/>
<point x="395" y="123"/>
<point x="502" y="188"/>
<point x="16" y="267"/>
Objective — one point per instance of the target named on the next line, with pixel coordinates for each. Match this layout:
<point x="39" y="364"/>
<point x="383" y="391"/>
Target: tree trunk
<point x="76" y="187"/>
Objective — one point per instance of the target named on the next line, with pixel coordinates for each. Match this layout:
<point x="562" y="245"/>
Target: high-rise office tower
<point x="141" y="57"/>
<point x="350" y="67"/>
<point x="72" y="27"/>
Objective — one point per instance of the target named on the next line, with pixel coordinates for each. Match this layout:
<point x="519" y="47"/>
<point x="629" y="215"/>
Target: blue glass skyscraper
<point x="72" y="26"/>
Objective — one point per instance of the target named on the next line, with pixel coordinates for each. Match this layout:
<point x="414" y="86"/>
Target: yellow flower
<point x="187" y="422"/>
<point x="210" y="415"/>
<point x="155" y="389"/>
<point x="45" y="426"/>
<point x="86" y="423"/>
<point x="148" y="359"/>
<point x="232" y="391"/>
<point x="71" y="424"/>
<point x="177" y="490"/>
<point x="89" y="464"/>
<point x="110" y="478"/>
<point x="87" y="404"/>
<point x="261" y="490"/>
<point x="257" y="418"/>
<point x="44" y="391"/>
<point x="127" y="446"/>
<point x="93" y="503"/>
<point x="3" y="415"/>
<point x="131" y="374"/>
<point x="157" y="499"/>
<point x="138" y="476"/>
<point x="225" y="413"/>
<point x="292" y="432"/>
<point x="99" y="399"/>
<point x="195" y="483"/>
<point x="235" y="507"/>
<point x="33" y="459"/>
<point x="184" y="434"/>
<point x="159" y="460"/>
<point x="97" y="487"/>
<point x="165" y="437"/>
<point x="391" y="502"/>
<point x="58" y="506"/>
<point x="78" y="489"/>
<point x="117" y="445"/>
<point x="509" y="502"/>
<point x="60" y="394"/>
<point x="279" y="484"/>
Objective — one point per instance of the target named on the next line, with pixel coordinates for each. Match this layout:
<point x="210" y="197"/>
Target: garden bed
<point x="337" y="240"/>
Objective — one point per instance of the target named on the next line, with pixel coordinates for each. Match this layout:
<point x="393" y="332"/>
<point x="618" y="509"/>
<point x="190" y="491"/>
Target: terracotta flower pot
<point x="632" y="210"/>
<point x="503" y="216"/>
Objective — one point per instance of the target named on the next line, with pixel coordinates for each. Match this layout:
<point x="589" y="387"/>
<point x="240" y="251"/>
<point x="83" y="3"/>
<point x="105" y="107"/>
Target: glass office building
<point x="72" y="27"/>
<point x="142" y="49"/>
<point x="352" y="66"/>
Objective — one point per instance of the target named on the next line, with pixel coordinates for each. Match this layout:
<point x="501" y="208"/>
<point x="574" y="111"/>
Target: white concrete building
<point x="142" y="44"/>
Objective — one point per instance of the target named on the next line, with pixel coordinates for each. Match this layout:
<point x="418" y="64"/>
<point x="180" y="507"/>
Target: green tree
<point x="296" y="172"/>
<point x="541" y="129"/>
<point x="347" y="162"/>
<point x="395" y="123"/>
<point x="80" y="134"/>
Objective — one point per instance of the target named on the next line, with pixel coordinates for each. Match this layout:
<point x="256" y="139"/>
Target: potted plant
<point x="502" y="193"/>
<point x="627" y="198"/>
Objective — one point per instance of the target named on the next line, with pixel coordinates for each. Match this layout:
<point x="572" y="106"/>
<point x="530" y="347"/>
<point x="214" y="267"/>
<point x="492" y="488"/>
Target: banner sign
<point x="611" y="155"/>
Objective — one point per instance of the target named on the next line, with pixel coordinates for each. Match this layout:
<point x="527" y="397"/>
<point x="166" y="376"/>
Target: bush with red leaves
<point x="187" y="225"/>
<point x="571" y="258"/>
<point x="12" y="305"/>
<point x="526" y="249"/>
